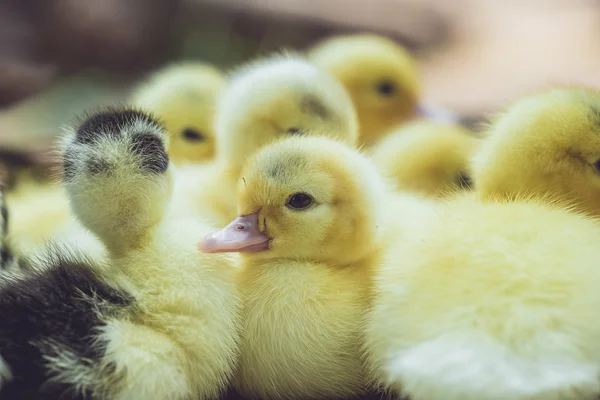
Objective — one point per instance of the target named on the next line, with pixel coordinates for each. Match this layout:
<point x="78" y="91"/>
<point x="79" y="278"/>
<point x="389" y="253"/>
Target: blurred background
<point x="61" y="57"/>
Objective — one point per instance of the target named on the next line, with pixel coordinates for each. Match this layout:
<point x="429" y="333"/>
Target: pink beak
<point x="241" y="235"/>
<point x="438" y="114"/>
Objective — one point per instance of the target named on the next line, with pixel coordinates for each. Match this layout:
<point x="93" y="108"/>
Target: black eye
<point x="299" y="201"/>
<point x="295" y="131"/>
<point x="386" y="88"/>
<point x="192" y="135"/>
<point x="464" y="181"/>
<point x="596" y="166"/>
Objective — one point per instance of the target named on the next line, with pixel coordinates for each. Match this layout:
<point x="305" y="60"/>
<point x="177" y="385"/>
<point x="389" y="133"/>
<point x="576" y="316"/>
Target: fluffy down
<point x="179" y="339"/>
<point x="426" y="157"/>
<point x="546" y="145"/>
<point x="489" y="302"/>
<point x="279" y="96"/>
<point x="184" y="97"/>
<point x="308" y="233"/>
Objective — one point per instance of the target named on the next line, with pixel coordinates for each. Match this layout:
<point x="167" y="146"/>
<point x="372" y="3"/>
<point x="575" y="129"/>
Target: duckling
<point x="308" y="234"/>
<point x="161" y="321"/>
<point x="184" y="97"/>
<point x="427" y="157"/>
<point x="269" y="98"/>
<point x="544" y="145"/>
<point x="489" y="301"/>
<point x="382" y="79"/>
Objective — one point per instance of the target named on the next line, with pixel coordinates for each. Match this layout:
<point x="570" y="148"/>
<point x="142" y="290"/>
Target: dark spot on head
<point x="595" y="115"/>
<point x="193" y="135"/>
<point x="386" y="88"/>
<point x="312" y="105"/>
<point x="295" y="131"/>
<point x="464" y="181"/>
<point x="110" y="123"/>
<point x="97" y="166"/>
<point x="152" y="151"/>
<point x="286" y="167"/>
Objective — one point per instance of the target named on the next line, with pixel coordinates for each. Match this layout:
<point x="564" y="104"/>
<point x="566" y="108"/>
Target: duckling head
<point x="280" y="96"/>
<point x="428" y="157"/>
<point x="184" y="97"/>
<point x="380" y="75"/>
<point x="544" y="145"/>
<point x="309" y="198"/>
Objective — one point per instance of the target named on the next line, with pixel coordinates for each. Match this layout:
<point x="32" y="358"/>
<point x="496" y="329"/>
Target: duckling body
<point x="309" y="212"/>
<point x="171" y="328"/>
<point x="426" y="157"/>
<point x="490" y="301"/>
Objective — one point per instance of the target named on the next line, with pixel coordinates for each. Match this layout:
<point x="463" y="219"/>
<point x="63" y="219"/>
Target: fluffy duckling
<point x="279" y="96"/>
<point x="489" y="301"/>
<point x="308" y="234"/>
<point x="545" y="144"/>
<point x="161" y="322"/>
<point x="427" y="157"/>
<point x="184" y="97"/>
<point x="382" y="79"/>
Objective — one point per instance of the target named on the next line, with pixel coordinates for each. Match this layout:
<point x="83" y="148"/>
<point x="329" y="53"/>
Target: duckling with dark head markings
<point x="268" y="99"/>
<point x="309" y="232"/>
<point x="546" y="145"/>
<point x="161" y="321"/>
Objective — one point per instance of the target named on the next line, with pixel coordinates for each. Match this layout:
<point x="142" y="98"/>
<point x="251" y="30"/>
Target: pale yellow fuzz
<point x="426" y="157"/>
<point x="544" y="145"/>
<point x="305" y="297"/>
<point x="363" y="63"/>
<point x="180" y="338"/>
<point x="184" y="97"/>
<point x="265" y="100"/>
<point x="489" y="301"/>
<point x="37" y="212"/>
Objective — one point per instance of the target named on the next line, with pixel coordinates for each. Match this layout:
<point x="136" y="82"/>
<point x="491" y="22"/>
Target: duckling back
<point x="490" y="301"/>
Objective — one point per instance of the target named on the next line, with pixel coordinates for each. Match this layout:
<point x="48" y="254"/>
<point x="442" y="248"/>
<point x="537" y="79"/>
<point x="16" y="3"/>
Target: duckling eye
<point x="464" y="181"/>
<point x="596" y="166"/>
<point x="295" y="131"/>
<point x="386" y="88"/>
<point x="192" y="135"/>
<point x="299" y="201"/>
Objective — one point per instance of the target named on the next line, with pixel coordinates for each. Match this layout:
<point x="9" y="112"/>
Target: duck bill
<point x="437" y="114"/>
<point x="242" y="235"/>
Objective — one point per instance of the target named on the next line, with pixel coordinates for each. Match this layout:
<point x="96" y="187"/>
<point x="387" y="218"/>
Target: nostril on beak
<point x="240" y="227"/>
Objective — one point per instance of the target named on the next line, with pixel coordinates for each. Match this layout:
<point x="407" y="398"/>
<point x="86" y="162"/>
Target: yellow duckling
<point x="308" y="233"/>
<point x="382" y="79"/>
<point x="544" y="145"/>
<point x="184" y="97"/>
<point x="427" y="157"/>
<point x="489" y="301"/>
<point x="271" y="98"/>
<point x="178" y="338"/>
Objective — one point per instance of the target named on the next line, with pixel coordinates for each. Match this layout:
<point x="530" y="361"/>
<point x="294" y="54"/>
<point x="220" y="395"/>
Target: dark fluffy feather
<point x="51" y="312"/>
